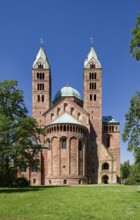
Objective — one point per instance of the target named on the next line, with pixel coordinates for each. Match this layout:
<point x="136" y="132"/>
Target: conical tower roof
<point x="41" y="58"/>
<point x="92" y="58"/>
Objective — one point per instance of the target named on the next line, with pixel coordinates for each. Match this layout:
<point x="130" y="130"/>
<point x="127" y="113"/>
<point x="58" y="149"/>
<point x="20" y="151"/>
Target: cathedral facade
<point x="80" y="146"/>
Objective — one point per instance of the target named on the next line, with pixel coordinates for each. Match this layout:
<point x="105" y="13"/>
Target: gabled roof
<point x="41" y="58"/>
<point x="92" y="56"/>
<point x="65" y="118"/>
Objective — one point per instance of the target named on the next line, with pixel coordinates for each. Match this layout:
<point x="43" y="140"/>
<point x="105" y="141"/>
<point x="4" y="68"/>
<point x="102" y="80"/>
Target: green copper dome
<point x="67" y="91"/>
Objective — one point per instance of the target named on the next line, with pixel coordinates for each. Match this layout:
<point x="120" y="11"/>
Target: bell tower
<point x="41" y="85"/>
<point x="93" y="105"/>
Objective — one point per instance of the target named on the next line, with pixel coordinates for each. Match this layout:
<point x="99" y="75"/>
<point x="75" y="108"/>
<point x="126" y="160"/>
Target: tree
<point x="135" y="41"/>
<point x="131" y="131"/>
<point x="19" y="133"/>
<point x="125" y="170"/>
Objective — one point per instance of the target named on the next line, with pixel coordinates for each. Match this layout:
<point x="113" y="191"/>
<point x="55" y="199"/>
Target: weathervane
<point x="41" y="42"/>
<point x="91" y="41"/>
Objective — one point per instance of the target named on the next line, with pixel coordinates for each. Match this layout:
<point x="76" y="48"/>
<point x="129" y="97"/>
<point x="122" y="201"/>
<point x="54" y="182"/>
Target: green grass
<point x="71" y="203"/>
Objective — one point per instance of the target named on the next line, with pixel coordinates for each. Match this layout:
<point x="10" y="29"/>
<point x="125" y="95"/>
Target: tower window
<point x="40" y="86"/>
<point x="92" y="85"/>
<point x="38" y="98"/>
<point x="40" y="75"/>
<point x="89" y="75"/>
<point x="92" y="75"/>
<point x="92" y="65"/>
<point x="42" y="98"/>
<point x="64" y="143"/>
<point x="94" y="97"/>
<point x="40" y="66"/>
<point x="90" y="97"/>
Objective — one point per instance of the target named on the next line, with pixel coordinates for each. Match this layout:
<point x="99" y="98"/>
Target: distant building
<point x="80" y="146"/>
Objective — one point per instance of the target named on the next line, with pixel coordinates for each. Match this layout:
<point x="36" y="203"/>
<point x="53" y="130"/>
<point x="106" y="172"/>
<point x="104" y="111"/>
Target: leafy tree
<point x="125" y="169"/>
<point x="135" y="172"/>
<point x="135" y="41"/>
<point x="19" y="133"/>
<point x="131" y="131"/>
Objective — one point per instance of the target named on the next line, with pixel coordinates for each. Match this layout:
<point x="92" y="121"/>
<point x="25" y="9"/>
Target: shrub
<point x="130" y="181"/>
<point x="21" y="182"/>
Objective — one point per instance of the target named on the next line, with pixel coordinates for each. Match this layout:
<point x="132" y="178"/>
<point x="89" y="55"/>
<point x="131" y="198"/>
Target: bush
<point x="21" y="182"/>
<point x="130" y="181"/>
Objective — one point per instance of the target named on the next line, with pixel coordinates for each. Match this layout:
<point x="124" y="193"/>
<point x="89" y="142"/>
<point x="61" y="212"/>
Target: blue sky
<point x="66" y="27"/>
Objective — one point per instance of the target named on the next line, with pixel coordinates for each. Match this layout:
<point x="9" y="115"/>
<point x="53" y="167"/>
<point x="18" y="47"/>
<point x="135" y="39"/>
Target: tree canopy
<point x="125" y="169"/>
<point x="131" y="131"/>
<point x="19" y="133"/>
<point x="135" y="41"/>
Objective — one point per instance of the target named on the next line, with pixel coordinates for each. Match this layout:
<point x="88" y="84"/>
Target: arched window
<point x="42" y="98"/>
<point x="78" y="116"/>
<point x="93" y="85"/>
<point x="42" y="75"/>
<point x="42" y="86"/>
<point x="92" y="65"/>
<point x="72" y="109"/>
<point x="64" y="143"/>
<point x="58" y="111"/>
<point x="38" y="98"/>
<point x="105" y="179"/>
<point x="65" y="106"/>
<point x="90" y="97"/>
<point x="52" y="116"/>
<point x="94" y="76"/>
<point x="40" y="66"/>
<point x="89" y="75"/>
<point x="105" y="166"/>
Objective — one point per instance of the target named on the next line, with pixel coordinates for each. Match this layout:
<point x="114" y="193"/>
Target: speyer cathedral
<point x="80" y="145"/>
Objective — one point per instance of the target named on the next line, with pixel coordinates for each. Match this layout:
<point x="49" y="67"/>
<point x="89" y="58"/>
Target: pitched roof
<point x="65" y="118"/>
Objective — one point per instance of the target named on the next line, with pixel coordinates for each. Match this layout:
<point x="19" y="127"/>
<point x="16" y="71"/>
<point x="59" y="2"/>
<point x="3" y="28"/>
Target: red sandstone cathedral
<point x="80" y="145"/>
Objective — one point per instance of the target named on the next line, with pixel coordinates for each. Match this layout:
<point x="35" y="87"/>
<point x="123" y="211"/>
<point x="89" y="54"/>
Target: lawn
<point x="71" y="203"/>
